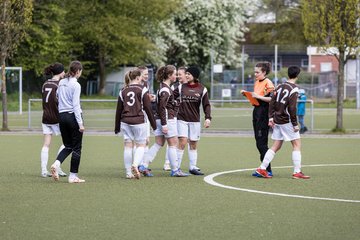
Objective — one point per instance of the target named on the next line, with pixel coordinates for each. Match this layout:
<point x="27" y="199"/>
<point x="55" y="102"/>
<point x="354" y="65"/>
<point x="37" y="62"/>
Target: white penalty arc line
<point x="210" y="180"/>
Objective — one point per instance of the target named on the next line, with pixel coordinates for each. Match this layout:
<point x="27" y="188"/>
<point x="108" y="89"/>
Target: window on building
<point x="325" y="67"/>
<point x="304" y="63"/>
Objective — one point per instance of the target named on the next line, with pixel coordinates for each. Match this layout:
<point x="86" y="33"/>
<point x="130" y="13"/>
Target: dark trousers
<point x="261" y="129"/>
<point x="72" y="140"/>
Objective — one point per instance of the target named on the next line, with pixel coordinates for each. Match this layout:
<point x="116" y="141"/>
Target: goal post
<point x="20" y="84"/>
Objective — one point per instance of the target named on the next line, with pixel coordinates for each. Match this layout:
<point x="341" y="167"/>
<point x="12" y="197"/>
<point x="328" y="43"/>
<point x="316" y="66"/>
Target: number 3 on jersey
<point x="283" y="94"/>
<point x="131" y="95"/>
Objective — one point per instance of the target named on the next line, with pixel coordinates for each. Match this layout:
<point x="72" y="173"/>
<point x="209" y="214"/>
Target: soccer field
<point x="108" y="206"/>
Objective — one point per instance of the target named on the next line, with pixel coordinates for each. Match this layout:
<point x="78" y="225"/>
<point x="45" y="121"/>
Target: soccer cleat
<point x="76" y="180"/>
<point x="130" y="176"/>
<point x="197" y="168"/>
<point x="45" y="174"/>
<point x="145" y="171"/>
<point x="54" y="172"/>
<point x="263" y="173"/>
<point x="255" y="174"/>
<point x="300" y="175"/>
<point x="61" y="173"/>
<point x="136" y="172"/>
<point x="196" y="172"/>
<point x="167" y="167"/>
<point x="141" y="168"/>
<point x="178" y="173"/>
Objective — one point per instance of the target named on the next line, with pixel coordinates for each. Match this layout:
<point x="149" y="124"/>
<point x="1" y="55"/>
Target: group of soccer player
<point x="175" y="118"/>
<point x="174" y="115"/>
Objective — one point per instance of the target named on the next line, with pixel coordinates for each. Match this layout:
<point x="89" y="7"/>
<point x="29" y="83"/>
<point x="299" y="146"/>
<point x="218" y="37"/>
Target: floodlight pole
<point x="212" y="73"/>
<point x="358" y="82"/>
<point x="276" y="63"/>
<point x="243" y="66"/>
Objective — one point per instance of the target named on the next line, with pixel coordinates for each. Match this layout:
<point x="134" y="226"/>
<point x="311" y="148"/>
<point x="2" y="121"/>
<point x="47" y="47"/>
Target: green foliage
<point x="286" y="27"/>
<point x="46" y="41"/>
<point x="339" y="29"/>
<point x="15" y="16"/>
<point x="201" y="26"/>
<point x="334" y="23"/>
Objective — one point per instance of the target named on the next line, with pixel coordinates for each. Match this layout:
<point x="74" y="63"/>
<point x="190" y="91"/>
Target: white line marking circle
<point x="210" y="180"/>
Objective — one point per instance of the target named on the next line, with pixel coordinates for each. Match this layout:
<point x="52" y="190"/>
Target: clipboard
<point x="252" y="100"/>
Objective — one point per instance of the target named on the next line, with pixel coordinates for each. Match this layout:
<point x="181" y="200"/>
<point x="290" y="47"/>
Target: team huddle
<point x="175" y="119"/>
<point x="173" y="114"/>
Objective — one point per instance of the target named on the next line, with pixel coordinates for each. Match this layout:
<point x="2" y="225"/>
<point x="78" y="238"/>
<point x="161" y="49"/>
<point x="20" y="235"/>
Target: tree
<point x="46" y="40"/>
<point x="204" y="25"/>
<point x="334" y="23"/>
<point x="277" y="22"/>
<point x="15" y="16"/>
<point x="115" y="31"/>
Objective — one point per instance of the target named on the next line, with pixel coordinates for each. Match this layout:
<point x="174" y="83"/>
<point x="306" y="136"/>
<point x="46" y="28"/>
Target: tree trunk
<point x="102" y="72"/>
<point x="4" y="96"/>
<point x="340" y="93"/>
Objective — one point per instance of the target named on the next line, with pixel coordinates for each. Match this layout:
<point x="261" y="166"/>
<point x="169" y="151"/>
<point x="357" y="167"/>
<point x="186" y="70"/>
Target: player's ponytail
<point x="74" y="67"/>
<point x="53" y="69"/>
<point x="164" y="72"/>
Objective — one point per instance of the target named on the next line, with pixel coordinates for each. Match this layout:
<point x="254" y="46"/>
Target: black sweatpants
<point x="72" y="140"/>
<point x="261" y="129"/>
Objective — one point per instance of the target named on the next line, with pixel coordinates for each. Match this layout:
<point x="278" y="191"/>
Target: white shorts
<point x="284" y="132"/>
<point x="147" y="129"/>
<point x="147" y="125"/>
<point x="136" y="133"/>
<point x="50" y="129"/>
<point x="172" y="129"/>
<point x="190" y="130"/>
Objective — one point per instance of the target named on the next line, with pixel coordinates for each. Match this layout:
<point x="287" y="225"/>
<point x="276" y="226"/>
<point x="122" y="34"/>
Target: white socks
<point x="180" y="154"/>
<point x="269" y="156"/>
<point x="192" y="159"/>
<point x="44" y="156"/>
<point x="173" y="158"/>
<point x="296" y="157"/>
<point x="151" y="154"/>
<point x="72" y="175"/>
<point x="128" y="152"/>
<point x="138" y="156"/>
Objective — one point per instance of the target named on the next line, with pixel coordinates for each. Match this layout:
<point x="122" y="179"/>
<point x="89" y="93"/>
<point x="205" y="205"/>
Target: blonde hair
<point x="131" y="75"/>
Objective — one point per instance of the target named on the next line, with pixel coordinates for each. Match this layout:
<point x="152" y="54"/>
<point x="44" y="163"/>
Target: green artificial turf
<point x="108" y="206"/>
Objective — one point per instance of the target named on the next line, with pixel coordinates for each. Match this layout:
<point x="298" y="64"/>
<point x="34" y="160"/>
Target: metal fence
<point x="229" y="91"/>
